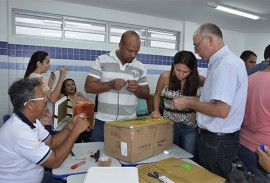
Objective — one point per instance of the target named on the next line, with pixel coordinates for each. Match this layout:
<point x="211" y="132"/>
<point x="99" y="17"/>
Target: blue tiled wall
<point x="18" y="50"/>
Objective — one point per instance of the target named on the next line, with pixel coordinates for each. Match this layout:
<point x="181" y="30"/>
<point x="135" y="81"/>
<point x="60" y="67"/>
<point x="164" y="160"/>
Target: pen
<point x="72" y="153"/>
<point x="77" y="165"/>
<point x="57" y="68"/>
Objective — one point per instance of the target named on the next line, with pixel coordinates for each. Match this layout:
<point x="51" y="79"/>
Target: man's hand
<point x="180" y="103"/>
<point x="117" y="84"/>
<point x="264" y="158"/>
<point x="132" y="85"/>
<point x="80" y="123"/>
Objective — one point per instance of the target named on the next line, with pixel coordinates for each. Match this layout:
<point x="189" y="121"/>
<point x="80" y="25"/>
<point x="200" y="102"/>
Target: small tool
<point x="77" y="165"/>
<point x="96" y="156"/>
<point x="72" y="153"/>
<point x="155" y="176"/>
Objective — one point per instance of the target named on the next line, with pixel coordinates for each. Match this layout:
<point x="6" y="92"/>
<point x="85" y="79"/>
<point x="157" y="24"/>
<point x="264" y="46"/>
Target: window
<point x="36" y="24"/>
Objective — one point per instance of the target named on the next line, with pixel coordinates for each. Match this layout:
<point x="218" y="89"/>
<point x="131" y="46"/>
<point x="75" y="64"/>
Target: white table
<point x="80" y="177"/>
<point x="176" y="152"/>
<point x="81" y="150"/>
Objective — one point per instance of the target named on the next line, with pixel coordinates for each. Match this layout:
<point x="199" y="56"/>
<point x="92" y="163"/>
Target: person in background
<point x="221" y="107"/>
<point x="26" y="147"/>
<point x="69" y="88"/>
<point x="255" y="128"/>
<point x="182" y="80"/>
<point x="249" y="57"/>
<point x="261" y="66"/>
<point x="264" y="158"/>
<point x="118" y="78"/>
<point x="144" y="106"/>
<point x="39" y="64"/>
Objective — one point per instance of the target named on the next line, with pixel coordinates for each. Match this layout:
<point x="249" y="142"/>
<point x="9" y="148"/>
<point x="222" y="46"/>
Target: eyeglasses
<point x="34" y="99"/>
<point x="196" y="45"/>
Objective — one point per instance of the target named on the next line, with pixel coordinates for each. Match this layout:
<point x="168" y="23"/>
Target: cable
<point x="117" y="106"/>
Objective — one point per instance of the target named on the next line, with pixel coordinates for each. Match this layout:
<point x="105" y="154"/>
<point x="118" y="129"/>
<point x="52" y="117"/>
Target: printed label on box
<point x="124" y="148"/>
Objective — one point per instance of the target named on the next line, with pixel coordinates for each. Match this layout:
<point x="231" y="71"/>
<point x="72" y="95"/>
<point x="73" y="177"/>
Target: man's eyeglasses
<point x="196" y="45"/>
<point x="34" y="99"/>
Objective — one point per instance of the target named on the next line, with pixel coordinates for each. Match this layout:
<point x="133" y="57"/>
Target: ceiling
<point x="196" y="11"/>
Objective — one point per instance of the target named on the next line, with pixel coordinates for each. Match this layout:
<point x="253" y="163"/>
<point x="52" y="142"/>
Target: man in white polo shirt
<point x="26" y="147"/>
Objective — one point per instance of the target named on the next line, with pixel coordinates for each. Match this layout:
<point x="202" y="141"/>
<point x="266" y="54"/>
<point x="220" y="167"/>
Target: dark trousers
<point x="216" y="151"/>
<point x="98" y="131"/>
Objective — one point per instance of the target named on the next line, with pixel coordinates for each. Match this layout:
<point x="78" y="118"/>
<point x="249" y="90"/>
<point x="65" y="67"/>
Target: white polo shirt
<point x="22" y="150"/>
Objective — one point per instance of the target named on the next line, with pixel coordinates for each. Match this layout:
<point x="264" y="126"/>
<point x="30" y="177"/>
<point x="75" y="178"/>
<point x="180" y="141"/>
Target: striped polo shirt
<point x="117" y="104"/>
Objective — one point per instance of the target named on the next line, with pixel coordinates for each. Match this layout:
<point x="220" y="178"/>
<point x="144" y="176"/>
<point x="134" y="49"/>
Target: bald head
<point x="129" y="46"/>
<point x="128" y="35"/>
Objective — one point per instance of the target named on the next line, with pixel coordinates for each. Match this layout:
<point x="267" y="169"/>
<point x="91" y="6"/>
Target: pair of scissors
<point x="154" y="175"/>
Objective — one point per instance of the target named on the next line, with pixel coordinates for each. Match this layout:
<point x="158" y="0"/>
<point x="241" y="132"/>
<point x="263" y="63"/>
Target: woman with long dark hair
<point x="39" y="64"/>
<point x="182" y="80"/>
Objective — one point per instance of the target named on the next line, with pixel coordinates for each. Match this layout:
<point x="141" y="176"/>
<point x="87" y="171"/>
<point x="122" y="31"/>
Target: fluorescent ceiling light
<point x="233" y="11"/>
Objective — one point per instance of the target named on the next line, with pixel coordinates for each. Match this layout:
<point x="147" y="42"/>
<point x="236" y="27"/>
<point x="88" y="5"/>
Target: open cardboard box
<point x="177" y="171"/>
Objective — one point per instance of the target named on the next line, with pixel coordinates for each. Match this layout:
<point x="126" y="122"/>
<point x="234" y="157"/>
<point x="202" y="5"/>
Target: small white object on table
<point x="82" y="152"/>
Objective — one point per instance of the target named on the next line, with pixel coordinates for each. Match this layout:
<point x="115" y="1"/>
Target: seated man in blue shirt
<point x="261" y="66"/>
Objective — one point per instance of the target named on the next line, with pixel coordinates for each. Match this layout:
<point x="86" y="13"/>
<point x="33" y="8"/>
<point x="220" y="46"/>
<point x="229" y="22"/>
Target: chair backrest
<point x="5" y="117"/>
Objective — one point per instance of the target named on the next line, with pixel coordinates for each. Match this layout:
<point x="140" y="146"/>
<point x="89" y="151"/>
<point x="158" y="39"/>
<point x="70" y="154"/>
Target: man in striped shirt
<point x="118" y="78"/>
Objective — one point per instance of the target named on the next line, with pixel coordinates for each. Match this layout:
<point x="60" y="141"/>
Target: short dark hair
<point x="63" y="88"/>
<point x="210" y="28"/>
<point x="22" y="90"/>
<point x="192" y="81"/>
<point x="246" y="54"/>
<point x="267" y="52"/>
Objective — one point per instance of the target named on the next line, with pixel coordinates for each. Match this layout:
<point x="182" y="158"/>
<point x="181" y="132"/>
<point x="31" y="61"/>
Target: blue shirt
<point x="226" y="81"/>
<point x="258" y="67"/>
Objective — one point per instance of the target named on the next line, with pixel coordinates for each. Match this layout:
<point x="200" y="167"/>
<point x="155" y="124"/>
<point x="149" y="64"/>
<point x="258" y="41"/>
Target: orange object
<point x="78" y="104"/>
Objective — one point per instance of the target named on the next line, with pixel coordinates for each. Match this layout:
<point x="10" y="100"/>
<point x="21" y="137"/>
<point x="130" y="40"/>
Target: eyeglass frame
<point x="196" y="45"/>
<point x="35" y="99"/>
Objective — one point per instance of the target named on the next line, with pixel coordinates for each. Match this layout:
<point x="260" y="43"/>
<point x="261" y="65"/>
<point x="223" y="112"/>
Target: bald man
<point x="221" y="106"/>
<point x="118" y="78"/>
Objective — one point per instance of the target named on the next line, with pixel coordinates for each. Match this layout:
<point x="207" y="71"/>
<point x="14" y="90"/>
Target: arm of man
<point x="57" y="139"/>
<point x="61" y="152"/>
<point x="215" y="109"/>
<point x="93" y="85"/>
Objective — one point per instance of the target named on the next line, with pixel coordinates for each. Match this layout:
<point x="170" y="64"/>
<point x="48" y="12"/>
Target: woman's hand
<point x="155" y="114"/>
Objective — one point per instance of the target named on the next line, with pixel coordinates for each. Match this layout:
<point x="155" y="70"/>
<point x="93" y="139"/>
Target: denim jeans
<point x="185" y="137"/>
<point x="250" y="161"/>
<point x="98" y="131"/>
<point x="215" y="153"/>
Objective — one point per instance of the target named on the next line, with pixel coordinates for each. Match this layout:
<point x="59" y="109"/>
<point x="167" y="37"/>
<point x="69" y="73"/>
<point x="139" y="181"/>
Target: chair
<point x="5" y="117"/>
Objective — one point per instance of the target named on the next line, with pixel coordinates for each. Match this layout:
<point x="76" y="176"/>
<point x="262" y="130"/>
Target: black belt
<point x="206" y="132"/>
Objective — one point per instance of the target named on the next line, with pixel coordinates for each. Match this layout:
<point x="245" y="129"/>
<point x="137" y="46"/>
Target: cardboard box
<point x="77" y="105"/>
<point x="135" y="139"/>
<point x="177" y="170"/>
